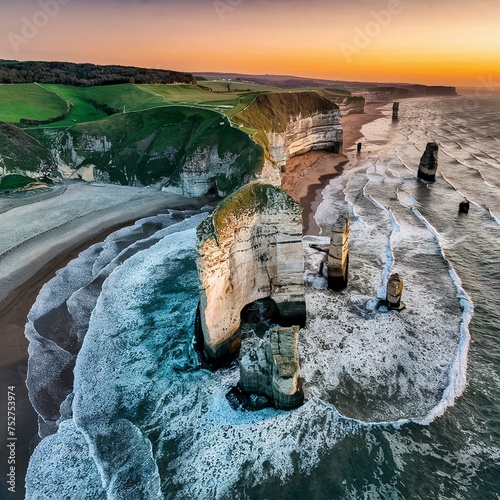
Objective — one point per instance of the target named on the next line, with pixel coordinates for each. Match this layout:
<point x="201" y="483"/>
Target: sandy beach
<point x="306" y="175"/>
<point x="39" y="246"/>
<point x="87" y="214"/>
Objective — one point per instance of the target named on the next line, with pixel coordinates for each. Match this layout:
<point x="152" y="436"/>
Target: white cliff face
<point x="255" y="252"/>
<point x="351" y="106"/>
<point x="322" y="130"/>
<point x="201" y="172"/>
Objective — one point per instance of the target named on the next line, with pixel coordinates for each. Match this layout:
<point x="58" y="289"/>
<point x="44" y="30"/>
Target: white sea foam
<point x="458" y="369"/>
<point x="170" y="424"/>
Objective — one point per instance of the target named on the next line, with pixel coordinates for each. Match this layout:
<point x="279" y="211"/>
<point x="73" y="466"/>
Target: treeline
<point x="85" y="75"/>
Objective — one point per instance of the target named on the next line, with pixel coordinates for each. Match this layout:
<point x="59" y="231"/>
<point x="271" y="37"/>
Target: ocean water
<point x="398" y="405"/>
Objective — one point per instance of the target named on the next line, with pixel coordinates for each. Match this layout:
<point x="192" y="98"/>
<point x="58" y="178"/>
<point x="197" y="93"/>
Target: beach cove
<point x="378" y="174"/>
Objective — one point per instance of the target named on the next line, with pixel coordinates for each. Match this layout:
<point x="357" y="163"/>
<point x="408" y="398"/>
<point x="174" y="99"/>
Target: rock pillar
<point x="394" y="292"/>
<point x="395" y="111"/>
<point x="338" y="256"/>
<point x="429" y="163"/>
<point x="270" y="366"/>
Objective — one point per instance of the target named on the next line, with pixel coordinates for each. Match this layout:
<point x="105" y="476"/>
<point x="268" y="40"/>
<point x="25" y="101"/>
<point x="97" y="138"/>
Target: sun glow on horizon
<point x="417" y="41"/>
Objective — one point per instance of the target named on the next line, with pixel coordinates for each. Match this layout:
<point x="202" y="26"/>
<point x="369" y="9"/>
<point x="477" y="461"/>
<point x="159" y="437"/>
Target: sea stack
<point x="338" y="256"/>
<point x="429" y="163"/>
<point x="464" y="206"/>
<point x="270" y="367"/>
<point x="395" y="111"/>
<point x="394" y="292"/>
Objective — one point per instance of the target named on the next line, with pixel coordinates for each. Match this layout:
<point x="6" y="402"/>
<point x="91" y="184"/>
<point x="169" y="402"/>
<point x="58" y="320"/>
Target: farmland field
<point x="96" y="103"/>
<point x="29" y="101"/>
<point x="90" y="104"/>
<point x="221" y="86"/>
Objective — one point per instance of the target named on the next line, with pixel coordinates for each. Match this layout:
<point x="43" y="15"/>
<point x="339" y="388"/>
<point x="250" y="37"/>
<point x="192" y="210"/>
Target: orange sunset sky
<point x="448" y="42"/>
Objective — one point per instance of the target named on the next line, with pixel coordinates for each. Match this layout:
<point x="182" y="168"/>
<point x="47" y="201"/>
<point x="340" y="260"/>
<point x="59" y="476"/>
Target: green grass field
<point x="193" y="95"/>
<point x="95" y="103"/>
<point x="29" y="101"/>
<point x="13" y="182"/>
<point x="221" y="86"/>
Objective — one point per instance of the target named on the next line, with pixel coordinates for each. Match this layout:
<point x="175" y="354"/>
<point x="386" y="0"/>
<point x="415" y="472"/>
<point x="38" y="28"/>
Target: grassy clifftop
<point x="155" y="145"/>
<point x="249" y="200"/>
<point x="271" y="112"/>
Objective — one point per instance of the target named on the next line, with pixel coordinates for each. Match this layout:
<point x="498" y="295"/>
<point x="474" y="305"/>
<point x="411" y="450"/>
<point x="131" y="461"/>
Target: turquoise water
<point x="142" y="420"/>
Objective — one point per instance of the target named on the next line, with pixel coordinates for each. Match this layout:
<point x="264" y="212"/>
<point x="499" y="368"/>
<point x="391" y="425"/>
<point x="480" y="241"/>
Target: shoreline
<point x="304" y="180"/>
<point x="21" y="287"/>
<point x="307" y="175"/>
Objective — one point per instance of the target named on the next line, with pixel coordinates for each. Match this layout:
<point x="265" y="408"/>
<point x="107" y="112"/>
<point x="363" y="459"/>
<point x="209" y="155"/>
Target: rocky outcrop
<point x="270" y="366"/>
<point x="250" y="249"/>
<point x="394" y="292"/>
<point x="291" y="124"/>
<point x="350" y="105"/>
<point x="429" y="163"/>
<point x="338" y="255"/>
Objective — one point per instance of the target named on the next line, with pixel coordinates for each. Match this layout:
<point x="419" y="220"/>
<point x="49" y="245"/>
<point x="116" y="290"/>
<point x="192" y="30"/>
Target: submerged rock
<point x="464" y="206"/>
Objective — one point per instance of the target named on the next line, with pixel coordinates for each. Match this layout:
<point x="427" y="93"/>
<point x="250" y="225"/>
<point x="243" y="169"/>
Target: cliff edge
<point x="250" y="249"/>
<point x="288" y="124"/>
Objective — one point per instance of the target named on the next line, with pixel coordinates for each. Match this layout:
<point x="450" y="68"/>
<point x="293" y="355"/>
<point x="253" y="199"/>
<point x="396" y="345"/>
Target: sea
<point x="130" y="413"/>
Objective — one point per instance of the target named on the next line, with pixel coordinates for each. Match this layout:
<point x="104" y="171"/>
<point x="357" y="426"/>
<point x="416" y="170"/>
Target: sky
<point x="436" y="42"/>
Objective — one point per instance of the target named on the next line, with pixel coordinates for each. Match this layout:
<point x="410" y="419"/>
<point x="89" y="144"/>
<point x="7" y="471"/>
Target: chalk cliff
<point x="181" y="150"/>
<point x="351" y="105"/>
<point x="21" y="154"/>
<point x="290" y="124"/>
<point x="250" y="249"/>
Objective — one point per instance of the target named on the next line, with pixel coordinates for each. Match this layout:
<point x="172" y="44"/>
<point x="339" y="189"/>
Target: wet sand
<point x="23" y="272"/>
<point x="306" y="175"/>
<point x="26" y="270"/>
